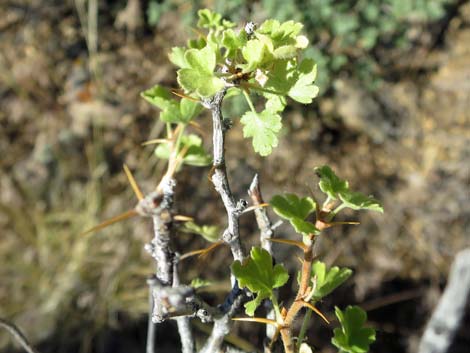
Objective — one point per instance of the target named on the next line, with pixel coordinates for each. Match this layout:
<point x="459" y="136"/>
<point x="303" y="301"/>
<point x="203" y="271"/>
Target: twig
<point x="444" y="323"/>
<point x="184" y="325"/>
<point x="220" y="180"/>
<point x="151" y="326"/>
<point x="17" y="335"/>
<point x="266" y="233"/>
<point x="262" y="219"/>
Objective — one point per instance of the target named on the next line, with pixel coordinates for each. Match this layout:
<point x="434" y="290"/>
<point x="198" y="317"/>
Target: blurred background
<point x="392" y="118"/>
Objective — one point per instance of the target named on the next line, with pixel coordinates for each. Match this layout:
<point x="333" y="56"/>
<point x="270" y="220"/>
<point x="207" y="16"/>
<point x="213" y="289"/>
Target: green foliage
<point x="210" y="233"/>
<point x="337" y="188"/>
<point x="327" y="280"/>
<point x="195" y="154"/>
<point x="268" y="60"/>
<point x="263" y="127"/>
<point x="295" y="210"/>
<point x="347" y="33"/>
<point x="260" y="276"/>
<point x="352" y="336"/>
<point x="199" y="75"/>
<point x="197" y="283"/>
<point x="172" y="111"/>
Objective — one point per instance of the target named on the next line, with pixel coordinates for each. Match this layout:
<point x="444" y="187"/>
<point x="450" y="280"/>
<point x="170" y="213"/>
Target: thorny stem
<point x="220" y="179"/>
<point x="298" y="304"/>
<point x="18" y="335"/>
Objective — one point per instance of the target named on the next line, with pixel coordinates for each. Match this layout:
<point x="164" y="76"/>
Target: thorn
<point x="318" y="312"/>
<point x="181" y="95"/>
<point x="154" y="141"/>
<point x="328" y="225"/>
<point x="182" y="218"/>
<point x="252" y="208"/>
<point x="202" y="252"/>
<point x="118" y="218"/>
<point x="133" y="183"/>
<point x="261" y="320"/>
<point x="211" y="172"/>
<point x="289" y="242"/>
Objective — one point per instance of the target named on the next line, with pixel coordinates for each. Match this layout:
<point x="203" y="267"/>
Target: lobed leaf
<point x="199" y="75"/>
<point x="263" y="128"/>
<point x="259" y="275"/>
<point x="295" y="209"/>
<point x="337" y="188"/>
<point x="352" y="336"/>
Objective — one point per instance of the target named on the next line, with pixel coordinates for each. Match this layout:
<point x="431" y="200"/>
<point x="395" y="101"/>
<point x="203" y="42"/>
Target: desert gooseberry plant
<point x="262" y="63"/>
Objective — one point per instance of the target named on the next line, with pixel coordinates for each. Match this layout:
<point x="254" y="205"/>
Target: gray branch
<point x="166" y="292"/>
<point x="18" y="335"/>
<point x="220" y="180"/>
<point x="262" y="219"/>
<point x="445" y="320"/>
<point x="184" y="324"/>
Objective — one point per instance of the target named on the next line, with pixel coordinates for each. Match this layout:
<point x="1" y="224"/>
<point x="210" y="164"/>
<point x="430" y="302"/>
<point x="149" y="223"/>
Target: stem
<point x="220" y="179"/>
<point x="250" y="103"/>
<point x="276" y="308"/>
<point x="336" y="210"/>
<point x="151" y="326"/>
<point x="304" y="327"/>
<point x="17" y="335"/>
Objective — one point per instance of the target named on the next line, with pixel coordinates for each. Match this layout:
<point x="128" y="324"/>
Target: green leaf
<point x="281" y="34"/>
<point x="352" y="336"/>
<point x="304" y="90"/>
<point x="172" y="110"/>
<point x="189" y="109"/>
<point x="212" y="20"/>
<point x="328" y="280"/>
<point x="256" y="53"/>
<point x="295" y="209"/>
<point x="337" y="188"/>
<point x="199" y="283"/>
<point x="210" y="233"/>
<point x="177" y="57"/>
<point x="161" y="98"/>
<point x="329" y="183"/>
<point x="290" y="206"/>
<point x="258" y="274"/>
<point x="263" y="127"/>
<point x="359" y="201"/>
<point x="233" y="41"/>
<point x="199" y="76"/>
<point x="195" y="153"/>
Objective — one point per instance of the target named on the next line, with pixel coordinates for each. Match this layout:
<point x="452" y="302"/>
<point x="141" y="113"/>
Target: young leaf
<point x="327" y="280"/>
<point x="259" y="275"/>
<point x="329" y="183"/>
<point x="304" y="90"/>
<point x="263" y="127"/>
<point x="177" y="57"/>
<point x="199" y="75"/>
<point x="352" y="337"/>
<point x="195" y="153"/>
<point x="295" y="209"/>
<point x="256" y="53"/>
<point x="210" y="233"/>
<point x="359" y="201"/>
<point x="337" y="188"/>
<point x="212" y="20"/>
<point x="172" y="110"/>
